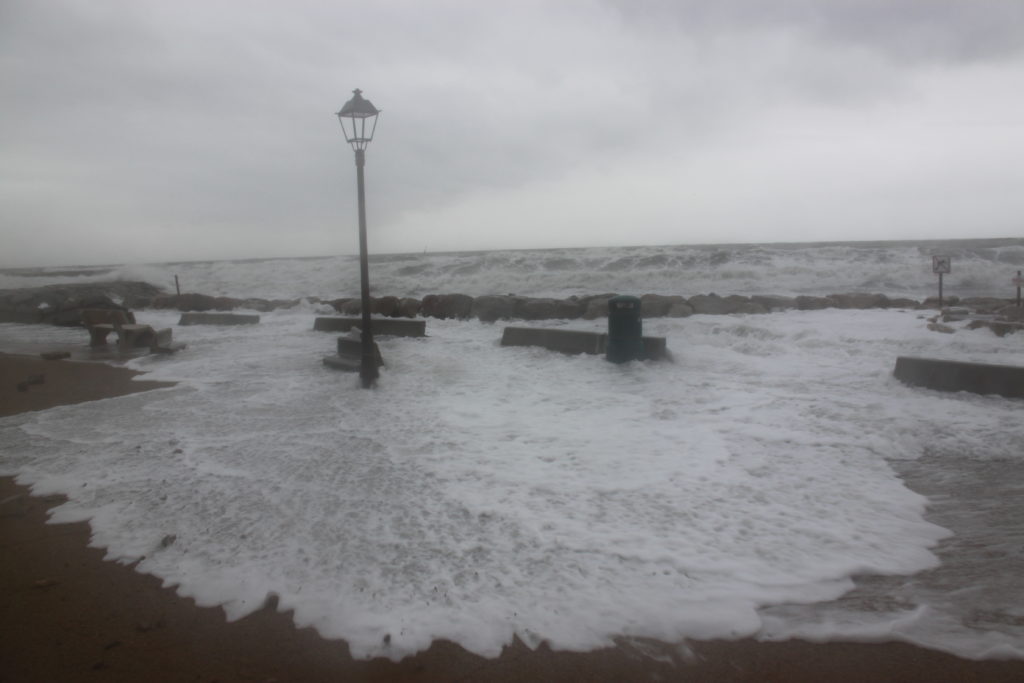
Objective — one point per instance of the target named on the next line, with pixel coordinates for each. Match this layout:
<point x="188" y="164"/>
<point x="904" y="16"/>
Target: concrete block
<point x="218" y="319"/>
<point x="395" y="327"/>
<point x="575" y="341"/>
<point x="949" y="375"/>
<point x="565" y="341"/>
<point x="343" y="363"/>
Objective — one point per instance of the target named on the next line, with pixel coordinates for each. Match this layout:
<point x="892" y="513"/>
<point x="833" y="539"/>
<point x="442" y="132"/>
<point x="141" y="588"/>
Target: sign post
<point x="1018" y="281"/>
<point x="941" y="265"/>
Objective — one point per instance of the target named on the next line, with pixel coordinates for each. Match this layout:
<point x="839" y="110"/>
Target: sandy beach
<point x="68" y="615"/>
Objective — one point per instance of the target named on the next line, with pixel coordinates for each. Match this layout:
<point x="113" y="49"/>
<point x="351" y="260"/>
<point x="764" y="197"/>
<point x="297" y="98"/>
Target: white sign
<point x="942" y="264"/>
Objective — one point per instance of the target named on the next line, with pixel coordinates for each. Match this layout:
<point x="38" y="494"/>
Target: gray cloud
<point x="909" y="30"/>
<point x="147" y="130"/>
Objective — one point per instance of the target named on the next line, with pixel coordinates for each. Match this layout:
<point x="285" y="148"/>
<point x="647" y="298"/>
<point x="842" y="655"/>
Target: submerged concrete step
<point x="343" y="363"/>
<point x="575" y="341"/>
<point x="218" y="319"/>
<point x="395" y="327"/>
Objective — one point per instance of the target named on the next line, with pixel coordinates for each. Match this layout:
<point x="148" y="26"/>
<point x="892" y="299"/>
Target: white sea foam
<point x="980" y="268"/>
<point x="755" y="486"/>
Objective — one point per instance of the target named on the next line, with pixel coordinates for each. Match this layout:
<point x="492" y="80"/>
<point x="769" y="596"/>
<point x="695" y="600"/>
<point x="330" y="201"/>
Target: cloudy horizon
<point x="151" y="132"/>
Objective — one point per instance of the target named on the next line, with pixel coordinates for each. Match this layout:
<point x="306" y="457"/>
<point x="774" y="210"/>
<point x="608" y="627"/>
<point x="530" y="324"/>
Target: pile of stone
<point x="991" y="314"/>
<point x="63" y="304"/>
<point x="204" y="302"/>
<point x="512" y="307"/>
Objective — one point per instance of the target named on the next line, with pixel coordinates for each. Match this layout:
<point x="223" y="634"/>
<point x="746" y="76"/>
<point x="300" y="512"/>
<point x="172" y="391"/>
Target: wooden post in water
<point x="1019" y="282"/>
<point x="176" y="285"/>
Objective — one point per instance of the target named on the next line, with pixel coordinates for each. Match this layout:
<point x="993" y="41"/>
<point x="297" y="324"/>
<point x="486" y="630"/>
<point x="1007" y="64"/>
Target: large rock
<point x="136" y="302"/>
<point x="658" y="305"/>
<point x="386" y="306"/>
<point x="185" y="302"/>
<point x="196" y="302"/>
<point x="447" y="306"/>
<point x="679" y="309"/>
<point x="712" y="304"/>
<point x="494" y="307"/>
<point x="814" y="303"/>
<point x="1000" y="328"/>
<point x="62" y="304"/>
<point x="595" y="307"/>
<point x="860" y="300"/>
<point x="253" y="304"/>
<point x="1012" y="312"/>
<point x="226" y="303"/>
<point x="351" y="307"/>
<point x="68" y="313"/>
<point x="408" y="307"/>
<point x="338" y="304"/>
<point x="984" y="304"/>
<point x="548" y="309"/>
<point x="751" y="308"/>
<point x="772" y="302"/>
<point x="933" y="301"/>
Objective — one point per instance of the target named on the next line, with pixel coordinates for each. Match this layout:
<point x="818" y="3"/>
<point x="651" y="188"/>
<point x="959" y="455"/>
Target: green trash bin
<point x="625" y="330"/>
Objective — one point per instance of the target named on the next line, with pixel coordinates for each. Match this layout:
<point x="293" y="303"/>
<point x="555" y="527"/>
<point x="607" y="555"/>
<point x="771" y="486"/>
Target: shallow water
<point x="771" y="481"/>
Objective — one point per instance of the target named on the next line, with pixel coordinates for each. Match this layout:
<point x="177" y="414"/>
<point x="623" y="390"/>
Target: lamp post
<point x="358" y="121"/>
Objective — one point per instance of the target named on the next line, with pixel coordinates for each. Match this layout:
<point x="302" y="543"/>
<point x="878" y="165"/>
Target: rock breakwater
<point x="62" y="304"/>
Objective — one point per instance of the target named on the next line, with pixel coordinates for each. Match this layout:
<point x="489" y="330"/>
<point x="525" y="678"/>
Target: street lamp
<point x="358" y="121"/>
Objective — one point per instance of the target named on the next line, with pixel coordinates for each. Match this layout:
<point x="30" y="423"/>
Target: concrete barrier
<point x="566" y="341"/>
<point x="950" y="375"/>
<point x="350" y="355"/>
<point x="575" y="341"/>
<point x="218" y="319"/>
<point x="395" y="327"/>
<point x="343" y="363"/>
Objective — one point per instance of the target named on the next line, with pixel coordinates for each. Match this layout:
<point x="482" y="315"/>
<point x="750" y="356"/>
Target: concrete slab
<point x="575" y="341"/>
<point x="395" y="327"/>
<point x="218" y="319"/>
<point x="343" y="363"/>
<point x="565" y="341"/>
<point x="948" y="375"/>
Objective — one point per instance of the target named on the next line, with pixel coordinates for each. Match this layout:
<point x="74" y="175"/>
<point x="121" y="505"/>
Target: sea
<point x="772" y="480"/>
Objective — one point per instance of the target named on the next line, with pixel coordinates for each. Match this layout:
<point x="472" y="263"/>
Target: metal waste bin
<point x="625" y="330"/>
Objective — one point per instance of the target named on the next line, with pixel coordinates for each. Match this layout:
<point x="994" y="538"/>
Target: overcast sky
<point x="148" y="130"/>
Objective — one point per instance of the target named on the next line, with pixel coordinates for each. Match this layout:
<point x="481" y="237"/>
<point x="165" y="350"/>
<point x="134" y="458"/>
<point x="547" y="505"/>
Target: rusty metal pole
<point x="1018" y="288"/>
<point x="368" y="363"/>
<point x="940" y="291"/>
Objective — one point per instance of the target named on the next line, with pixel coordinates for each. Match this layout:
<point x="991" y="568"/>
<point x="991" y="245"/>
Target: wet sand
<point x="66" y="614"/>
